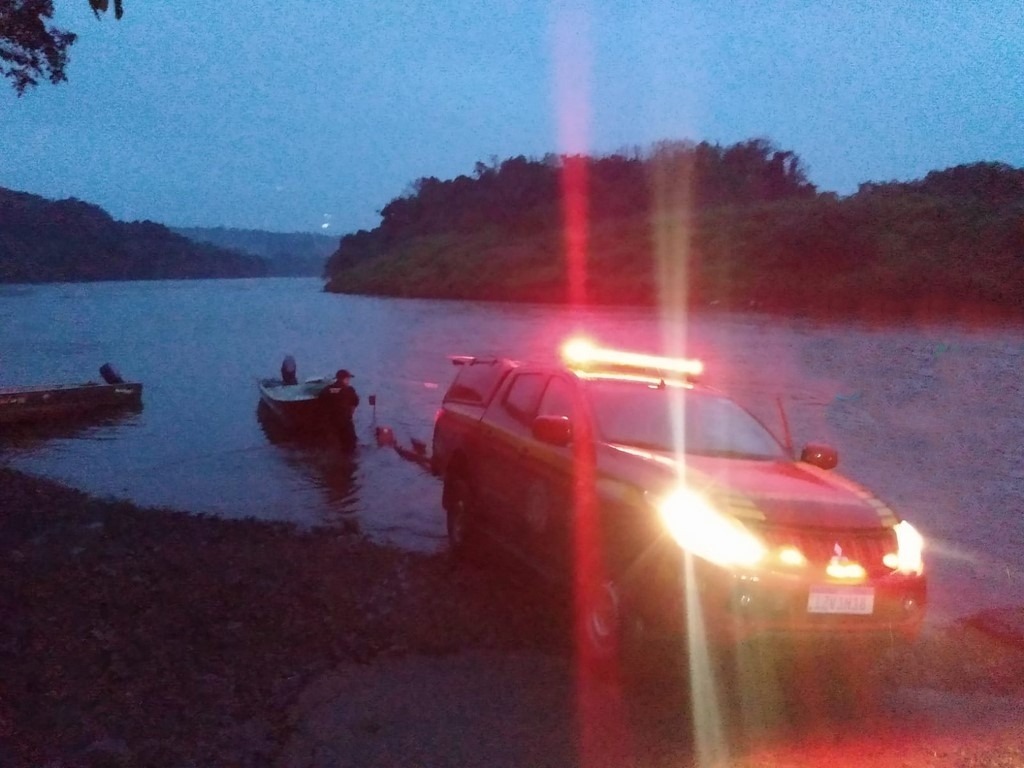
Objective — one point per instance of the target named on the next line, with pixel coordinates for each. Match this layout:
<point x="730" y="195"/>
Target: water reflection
<point x="280" y="433"/>
<point x="319" y="457"/>
<point x="87" y="426"/>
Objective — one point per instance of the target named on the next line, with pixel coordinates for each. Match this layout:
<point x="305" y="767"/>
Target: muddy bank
<point x="154" y="637"/>
<point x="151" y="637"/>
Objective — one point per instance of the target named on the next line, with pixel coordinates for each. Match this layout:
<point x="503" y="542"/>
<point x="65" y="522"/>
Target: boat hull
<point x="296" y="406"/>
<point x="46" y="404"/>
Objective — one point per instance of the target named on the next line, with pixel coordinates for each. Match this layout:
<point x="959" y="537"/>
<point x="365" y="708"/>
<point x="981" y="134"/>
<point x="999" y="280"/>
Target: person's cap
<point x="343" y="374"/>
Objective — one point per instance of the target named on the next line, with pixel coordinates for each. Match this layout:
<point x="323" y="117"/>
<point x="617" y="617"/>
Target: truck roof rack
<point x="472" y="360"/>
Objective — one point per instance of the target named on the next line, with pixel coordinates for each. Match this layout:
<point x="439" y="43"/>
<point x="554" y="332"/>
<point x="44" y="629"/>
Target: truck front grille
<point x="819" y="546"/>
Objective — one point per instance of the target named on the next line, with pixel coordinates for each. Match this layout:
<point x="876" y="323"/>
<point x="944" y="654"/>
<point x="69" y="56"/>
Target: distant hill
<point x="288" y="254"/>
<point x="44" y="240"/>
<point x="700" y="225"/>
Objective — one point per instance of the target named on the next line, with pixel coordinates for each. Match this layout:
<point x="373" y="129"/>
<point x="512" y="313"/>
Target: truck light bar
<point x="585" y="355"/>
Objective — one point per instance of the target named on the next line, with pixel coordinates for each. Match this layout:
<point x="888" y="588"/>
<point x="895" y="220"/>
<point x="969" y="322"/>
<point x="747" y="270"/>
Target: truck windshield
<point x="650" y="417"/>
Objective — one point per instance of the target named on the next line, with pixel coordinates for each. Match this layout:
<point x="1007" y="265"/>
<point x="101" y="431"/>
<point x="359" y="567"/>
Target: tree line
<point x="739" y="227"/>
<point x="70" y="240"/>
<point x="33" y="47"/>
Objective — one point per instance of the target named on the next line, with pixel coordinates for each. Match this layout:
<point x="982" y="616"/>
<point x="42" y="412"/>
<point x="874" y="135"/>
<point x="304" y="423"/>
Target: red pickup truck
<point x="667" y="505"/>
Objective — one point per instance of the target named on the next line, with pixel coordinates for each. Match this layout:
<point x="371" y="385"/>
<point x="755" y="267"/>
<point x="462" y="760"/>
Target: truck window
<point x="524" y="395"/>
<point x="475" y="382"/>
<point x="557" y="400"/>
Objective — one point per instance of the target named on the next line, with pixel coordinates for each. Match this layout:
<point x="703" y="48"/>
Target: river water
<point x="930" y="417"/>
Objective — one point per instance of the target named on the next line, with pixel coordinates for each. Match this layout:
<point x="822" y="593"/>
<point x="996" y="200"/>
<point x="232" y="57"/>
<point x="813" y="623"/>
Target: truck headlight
<point x="701" y="529"/>
<point x="910" y="549"/>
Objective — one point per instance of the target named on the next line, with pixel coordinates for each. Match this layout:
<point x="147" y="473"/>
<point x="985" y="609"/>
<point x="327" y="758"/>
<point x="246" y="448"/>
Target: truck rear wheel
<point x="458" y="495"/>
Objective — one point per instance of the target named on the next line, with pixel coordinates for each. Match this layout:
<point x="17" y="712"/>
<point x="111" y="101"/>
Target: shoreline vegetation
<point x="681" y="225"/>
<point x="46" y="241"/>
<point x="136" y="636"/>
<point x="698" y="226"/>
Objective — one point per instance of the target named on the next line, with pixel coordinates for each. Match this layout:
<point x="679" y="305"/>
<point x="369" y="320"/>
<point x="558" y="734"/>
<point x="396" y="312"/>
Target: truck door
<point x="504" y="445"/>
<point x="545" y="520"/>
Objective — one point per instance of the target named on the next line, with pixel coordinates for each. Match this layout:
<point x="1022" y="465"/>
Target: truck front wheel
<point x="601" y="620"/>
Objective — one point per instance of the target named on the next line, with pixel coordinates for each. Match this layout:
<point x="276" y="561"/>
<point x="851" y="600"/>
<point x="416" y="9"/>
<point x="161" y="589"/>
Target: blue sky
<point x="310" y="115"/>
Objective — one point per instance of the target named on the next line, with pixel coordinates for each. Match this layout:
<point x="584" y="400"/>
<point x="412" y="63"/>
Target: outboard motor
<point x="289" y="374"/>
<point x="110" y="374"/>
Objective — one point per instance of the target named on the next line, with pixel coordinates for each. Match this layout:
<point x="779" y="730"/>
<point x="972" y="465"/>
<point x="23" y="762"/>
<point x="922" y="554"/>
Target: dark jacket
<point x="341" y="400"/>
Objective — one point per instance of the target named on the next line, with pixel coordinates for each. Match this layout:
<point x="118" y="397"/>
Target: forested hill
<point x="734" y="227"/>
<point x="286" y="253"/>
<point x="45" y="240"/>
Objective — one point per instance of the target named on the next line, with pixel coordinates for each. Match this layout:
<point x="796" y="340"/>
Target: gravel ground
<point x="153" y="637"/>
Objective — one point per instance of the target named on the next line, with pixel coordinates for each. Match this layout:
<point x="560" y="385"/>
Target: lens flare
<point x="910" y="557"/>
<point x="583" y="353"/>
<point x="699" y="528"/>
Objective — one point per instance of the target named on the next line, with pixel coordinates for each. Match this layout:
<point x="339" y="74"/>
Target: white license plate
<point x="855" y="600"/>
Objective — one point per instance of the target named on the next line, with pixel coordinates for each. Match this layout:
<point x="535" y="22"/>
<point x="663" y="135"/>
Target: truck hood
<point x="785" y="493"/>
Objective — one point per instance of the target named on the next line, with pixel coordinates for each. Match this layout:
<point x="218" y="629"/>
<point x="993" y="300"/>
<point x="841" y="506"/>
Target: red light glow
<point x="581" y="352"/>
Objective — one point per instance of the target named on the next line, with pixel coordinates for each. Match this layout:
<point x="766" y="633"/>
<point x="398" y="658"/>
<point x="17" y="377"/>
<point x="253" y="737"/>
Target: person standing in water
<point x="342" y="400"/>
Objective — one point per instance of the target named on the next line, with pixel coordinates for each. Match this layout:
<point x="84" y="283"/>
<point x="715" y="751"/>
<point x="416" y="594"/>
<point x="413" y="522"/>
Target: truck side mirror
<point x="824" y="456"/>
<point x="554" y="430"/>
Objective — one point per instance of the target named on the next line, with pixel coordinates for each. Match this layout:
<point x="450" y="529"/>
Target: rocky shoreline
<point x="150" y="637"/>
<point x="136" y="636"/>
